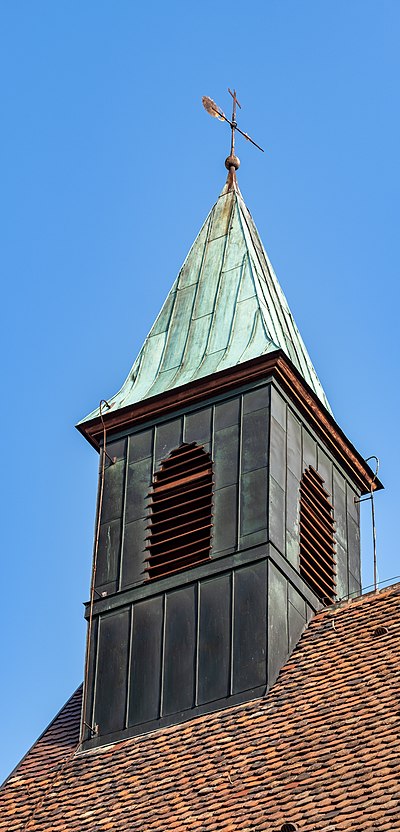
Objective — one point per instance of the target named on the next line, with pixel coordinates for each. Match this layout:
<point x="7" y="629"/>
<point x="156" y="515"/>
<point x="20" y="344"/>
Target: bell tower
<point x="227" y="510"/>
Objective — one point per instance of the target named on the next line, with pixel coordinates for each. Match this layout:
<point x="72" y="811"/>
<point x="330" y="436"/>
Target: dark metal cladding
<point x="133" y="562"/>
<point x="250" y="627"/>
<point x="113" y="491"/>
<point x="254" y="509"/>
<point x="226" y="456"/>
<point x="138" y="483"/>
<point x="203" y="628"/>
<point x="255" y="439"/>
<point x="112" y="672"/>
<point x="227" y="413"/>
<point x="168" y="436"/>
<point x="220" y="639"/>
<point x="141" y="445"/>
<point x="146" y="657"/>
<point x="215" y="630"/>
<point x="108" y="562"/>
<point x="278" y="635"/>
<point x="197" y="426"/>
<point x="225" y="520"/>
<point x="180" y="644"/>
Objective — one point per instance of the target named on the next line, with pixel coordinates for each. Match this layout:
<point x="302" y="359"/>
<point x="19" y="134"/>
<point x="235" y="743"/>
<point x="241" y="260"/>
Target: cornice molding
<point x="274" y="365"/>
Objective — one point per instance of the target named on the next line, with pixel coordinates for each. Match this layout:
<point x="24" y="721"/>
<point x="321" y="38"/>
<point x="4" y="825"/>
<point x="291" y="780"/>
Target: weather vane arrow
<point x="232" y="162"/>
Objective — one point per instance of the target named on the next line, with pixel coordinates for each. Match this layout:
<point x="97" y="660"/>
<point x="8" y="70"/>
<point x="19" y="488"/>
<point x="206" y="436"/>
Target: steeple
<point x="225" y="307"/>
<point x="228" y="507"/>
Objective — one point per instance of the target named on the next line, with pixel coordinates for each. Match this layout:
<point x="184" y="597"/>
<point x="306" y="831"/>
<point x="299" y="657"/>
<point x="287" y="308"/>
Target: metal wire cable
<point x="93" y="582"/>
<point x="373" y="519"/>
<point x="370" y="497"/>
<point x="58" y="771"/>
<point x="369" y="586"/>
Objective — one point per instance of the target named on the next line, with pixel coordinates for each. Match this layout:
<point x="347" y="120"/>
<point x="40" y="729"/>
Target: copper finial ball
<point x="232" y="162"/>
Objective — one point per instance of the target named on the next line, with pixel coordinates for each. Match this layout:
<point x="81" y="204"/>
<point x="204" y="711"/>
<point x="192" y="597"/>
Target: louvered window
<point x="180" y="511"/>
<point x="317" y="548"/>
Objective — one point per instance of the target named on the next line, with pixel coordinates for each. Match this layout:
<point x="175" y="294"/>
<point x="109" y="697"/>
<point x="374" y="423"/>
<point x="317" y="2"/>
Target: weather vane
<point x="232" y="162"/>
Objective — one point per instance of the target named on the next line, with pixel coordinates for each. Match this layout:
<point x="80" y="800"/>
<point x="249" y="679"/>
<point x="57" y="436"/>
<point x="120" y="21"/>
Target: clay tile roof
<point x="320" y="751"/>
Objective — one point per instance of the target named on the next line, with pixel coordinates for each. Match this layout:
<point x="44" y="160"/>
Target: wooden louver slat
<point x="180" y="506"/>
<point x="317" y="547"/>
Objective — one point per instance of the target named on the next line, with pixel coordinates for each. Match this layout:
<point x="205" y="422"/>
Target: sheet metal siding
<point x="292" y="450"/>
<point x="146" y="646"/>
<point x="235" y="432"/>
<point x="225" y="307"/>
<point x="215" y="626"/>
<point x="258" y="456"/>
<point x="193" y="648"/>
<point x="222" y="630"/>
<point x="112" y="670"/>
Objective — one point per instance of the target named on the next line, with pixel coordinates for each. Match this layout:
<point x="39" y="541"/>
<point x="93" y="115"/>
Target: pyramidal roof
<point x="225" y="307"/>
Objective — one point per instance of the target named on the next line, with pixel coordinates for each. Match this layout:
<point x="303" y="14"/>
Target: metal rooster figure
<point x="232" y="162"/>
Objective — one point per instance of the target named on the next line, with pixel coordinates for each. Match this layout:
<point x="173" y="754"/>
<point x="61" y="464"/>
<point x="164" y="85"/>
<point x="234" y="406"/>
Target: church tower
<point x="227" y="507"/>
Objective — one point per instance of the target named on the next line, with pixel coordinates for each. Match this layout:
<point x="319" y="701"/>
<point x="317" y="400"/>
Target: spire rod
<point x="233" y="122"/>
<point x="232" y="162"/>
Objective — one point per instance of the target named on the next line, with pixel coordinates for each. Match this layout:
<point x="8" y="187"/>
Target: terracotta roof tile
<point x="321" y="750"/>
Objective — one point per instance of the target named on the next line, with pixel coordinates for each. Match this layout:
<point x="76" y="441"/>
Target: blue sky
<point x="109" y="167"/>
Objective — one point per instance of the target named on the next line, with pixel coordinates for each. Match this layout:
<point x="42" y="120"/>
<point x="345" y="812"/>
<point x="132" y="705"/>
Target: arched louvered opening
<point x="317" y="547"/>
<point x="180" y="511"/>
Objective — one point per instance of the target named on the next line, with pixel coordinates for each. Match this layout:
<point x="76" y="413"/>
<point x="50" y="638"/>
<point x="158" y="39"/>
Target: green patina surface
<point x="225" y="307"/>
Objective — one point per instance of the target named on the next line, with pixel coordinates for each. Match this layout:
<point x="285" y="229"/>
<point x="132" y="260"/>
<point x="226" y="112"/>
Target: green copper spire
<point x="225" y="307"/>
